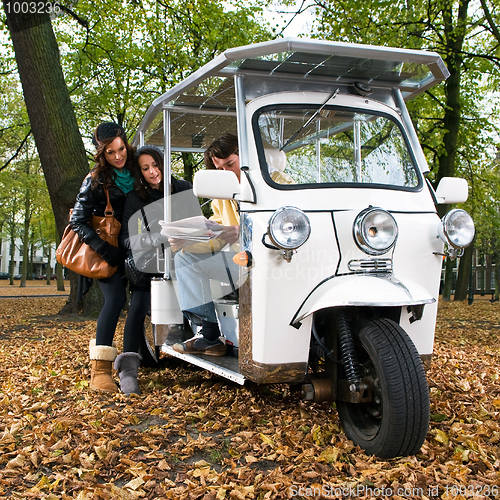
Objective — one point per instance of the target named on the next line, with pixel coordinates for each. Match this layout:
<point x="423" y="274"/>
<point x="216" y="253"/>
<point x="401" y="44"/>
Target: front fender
<point x="362" y="290"/>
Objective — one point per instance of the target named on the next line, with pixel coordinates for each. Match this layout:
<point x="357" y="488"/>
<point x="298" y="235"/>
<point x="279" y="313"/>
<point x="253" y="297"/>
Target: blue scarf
<point x="124" y="180"/>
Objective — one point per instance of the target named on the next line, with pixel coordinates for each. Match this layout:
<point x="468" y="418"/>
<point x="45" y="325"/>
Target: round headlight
<point x="457" y="228"/>
<point x="375" y="231"/>
<point x="289" y="228"/>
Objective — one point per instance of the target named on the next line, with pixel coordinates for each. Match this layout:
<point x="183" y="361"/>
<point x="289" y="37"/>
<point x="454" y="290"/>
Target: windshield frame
<point x="287" y="187"/>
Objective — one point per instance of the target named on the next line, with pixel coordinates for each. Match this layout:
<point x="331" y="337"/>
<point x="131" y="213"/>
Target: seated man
<point x="196" y="264"/>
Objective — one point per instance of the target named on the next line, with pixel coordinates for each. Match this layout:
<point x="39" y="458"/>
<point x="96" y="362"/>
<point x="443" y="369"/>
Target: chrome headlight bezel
<point x="450" y="223"/>
<point x="364" y="224"/>
<point x="287" y="220"/>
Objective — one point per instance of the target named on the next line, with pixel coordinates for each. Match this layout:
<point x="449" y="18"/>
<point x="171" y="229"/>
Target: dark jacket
<point x="153" y="208"/>
<point x="92" y="201"/>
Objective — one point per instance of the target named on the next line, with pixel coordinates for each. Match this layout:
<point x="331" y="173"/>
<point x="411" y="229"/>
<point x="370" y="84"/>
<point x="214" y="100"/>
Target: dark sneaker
<point x="200" y="345"/>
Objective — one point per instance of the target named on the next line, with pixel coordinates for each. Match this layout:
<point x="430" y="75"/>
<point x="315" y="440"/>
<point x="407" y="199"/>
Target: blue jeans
<point x="194" y="272"/>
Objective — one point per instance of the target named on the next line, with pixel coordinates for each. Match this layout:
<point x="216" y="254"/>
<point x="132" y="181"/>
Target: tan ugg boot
<point x="101" y="360"/>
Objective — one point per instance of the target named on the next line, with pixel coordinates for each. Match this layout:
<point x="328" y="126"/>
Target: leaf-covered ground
<point x="193" y="435"/>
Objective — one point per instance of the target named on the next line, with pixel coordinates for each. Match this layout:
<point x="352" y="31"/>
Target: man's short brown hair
<point x="222" y="147"/>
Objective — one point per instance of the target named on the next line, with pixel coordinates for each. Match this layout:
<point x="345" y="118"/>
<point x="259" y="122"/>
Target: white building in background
<point x="41" y="266"/>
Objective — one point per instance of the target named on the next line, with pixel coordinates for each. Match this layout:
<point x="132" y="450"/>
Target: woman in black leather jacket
<point x="144" y="206"/>
<point x="114" y="161"/>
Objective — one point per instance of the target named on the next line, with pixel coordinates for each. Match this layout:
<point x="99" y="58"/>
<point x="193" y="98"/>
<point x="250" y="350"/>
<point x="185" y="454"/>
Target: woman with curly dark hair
<point x="114" y="159"/>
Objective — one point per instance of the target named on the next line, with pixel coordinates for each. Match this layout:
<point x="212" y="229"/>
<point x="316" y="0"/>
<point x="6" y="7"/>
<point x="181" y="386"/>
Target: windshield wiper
<point x="333" y="94"/>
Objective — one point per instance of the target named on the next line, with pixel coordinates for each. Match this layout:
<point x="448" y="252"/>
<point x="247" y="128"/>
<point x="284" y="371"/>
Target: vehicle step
<point x="225" y="366"/>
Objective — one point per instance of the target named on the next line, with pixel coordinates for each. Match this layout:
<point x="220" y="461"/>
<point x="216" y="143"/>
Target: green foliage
<point x="14" y="122"/>
<point x="117" y="58"/>
<point x="120" y="57"/>
<point x="24" y="200"/>
<point x="457" y="121"/>
<point x="430" y="25"/>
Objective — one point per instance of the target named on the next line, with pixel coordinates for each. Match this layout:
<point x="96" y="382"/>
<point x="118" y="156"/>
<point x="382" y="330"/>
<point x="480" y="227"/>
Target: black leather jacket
<point x="154" y="212"/>
<point x="90" y="202"/>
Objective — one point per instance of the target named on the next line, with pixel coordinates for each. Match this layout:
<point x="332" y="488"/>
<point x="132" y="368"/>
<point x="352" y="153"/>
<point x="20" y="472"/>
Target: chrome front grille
<point x="371" y="265"/>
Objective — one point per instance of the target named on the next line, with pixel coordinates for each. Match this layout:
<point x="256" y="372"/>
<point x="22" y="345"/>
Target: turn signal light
<point x="243" y="258"/>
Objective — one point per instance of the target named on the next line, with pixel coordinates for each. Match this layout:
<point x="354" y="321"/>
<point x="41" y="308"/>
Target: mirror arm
<point x="431" y="190"/>
<point x="252" y="187"/>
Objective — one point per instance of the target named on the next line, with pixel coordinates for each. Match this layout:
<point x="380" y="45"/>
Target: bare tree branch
<point x="16" y="154"/>
<point x="75" y="16"/>
<point x="295" y="14"/>
<point x="493" y="26"/>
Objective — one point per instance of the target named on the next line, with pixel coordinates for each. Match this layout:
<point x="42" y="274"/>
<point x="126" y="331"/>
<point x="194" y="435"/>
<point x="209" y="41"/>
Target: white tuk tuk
<point x="340" y="240"/>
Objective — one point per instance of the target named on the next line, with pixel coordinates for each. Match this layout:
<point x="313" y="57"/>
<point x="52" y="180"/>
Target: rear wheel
<point x="148" y="350"/>
<point x="395" y="422"/>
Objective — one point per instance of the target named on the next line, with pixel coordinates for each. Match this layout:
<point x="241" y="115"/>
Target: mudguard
<point x="383" y="290"/>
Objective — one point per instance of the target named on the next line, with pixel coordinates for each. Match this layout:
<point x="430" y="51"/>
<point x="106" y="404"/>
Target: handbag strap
<point x="146" y="223"/>
<point x="144" y="218"/>
<point x="109" y="208"/>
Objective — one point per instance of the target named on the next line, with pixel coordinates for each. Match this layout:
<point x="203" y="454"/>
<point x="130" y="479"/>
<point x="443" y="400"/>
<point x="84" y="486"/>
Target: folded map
<point x="194" y="229"/>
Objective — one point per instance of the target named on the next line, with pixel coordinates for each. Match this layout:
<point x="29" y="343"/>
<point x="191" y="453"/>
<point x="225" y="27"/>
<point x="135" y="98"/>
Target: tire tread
<point x="408" y="413"/>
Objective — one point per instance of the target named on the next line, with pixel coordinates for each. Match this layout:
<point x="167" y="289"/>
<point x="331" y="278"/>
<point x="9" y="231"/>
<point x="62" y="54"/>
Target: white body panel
<point x="280" y="287"/>
<point x="293" y="288"/>
<point x="165" y="308"/>
<point x="227" y="314"/>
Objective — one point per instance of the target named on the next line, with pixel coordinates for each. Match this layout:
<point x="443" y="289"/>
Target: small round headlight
<point x="289" y="228"/>
<point x="375" y="231"/>
<point x="457" y="228"/>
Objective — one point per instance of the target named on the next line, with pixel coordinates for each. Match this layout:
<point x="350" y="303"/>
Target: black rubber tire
<point x="398" y="425"/>
<point x="149" y="352"/>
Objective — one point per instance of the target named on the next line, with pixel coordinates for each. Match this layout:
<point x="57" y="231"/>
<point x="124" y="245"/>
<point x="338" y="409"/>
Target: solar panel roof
<point x="207" y="96"/>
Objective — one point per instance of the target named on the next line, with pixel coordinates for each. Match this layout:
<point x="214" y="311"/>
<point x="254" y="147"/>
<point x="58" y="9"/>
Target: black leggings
<point x="140" y="304"/>
<point x="115" y="297"/>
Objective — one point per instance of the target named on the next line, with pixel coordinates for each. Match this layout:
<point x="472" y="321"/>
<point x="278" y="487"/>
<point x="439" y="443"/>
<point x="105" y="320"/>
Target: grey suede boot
<point x="127" y="364"/>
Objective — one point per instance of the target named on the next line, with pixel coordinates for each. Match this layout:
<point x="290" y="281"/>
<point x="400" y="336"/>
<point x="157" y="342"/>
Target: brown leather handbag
<point x="77" y="256"/>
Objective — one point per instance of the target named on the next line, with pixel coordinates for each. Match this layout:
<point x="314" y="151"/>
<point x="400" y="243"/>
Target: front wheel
<point x="395" y="422"/>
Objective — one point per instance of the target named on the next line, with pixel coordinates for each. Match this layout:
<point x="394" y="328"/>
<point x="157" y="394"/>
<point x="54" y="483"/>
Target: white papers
<point x="193" y="229"/>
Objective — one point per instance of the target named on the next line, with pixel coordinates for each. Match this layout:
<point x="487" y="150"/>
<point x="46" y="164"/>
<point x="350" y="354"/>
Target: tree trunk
<point x="52" y="118"/>
<point x="482" y="271"/>
<point x="59" y="272"/>
<point x="71" y="305"/>
<point x="26" y="234"/>
<point x="12" y="263"/>
<point x="49" y="269"/>
<point x="93" y="300"/>
<point x="463" y="278"/>
<point x="31" y="261"/>
<point x="488" y="271"/>
<point x="189" y="164"/>
<point x="454" y="35"/>
<point x="497" y="277"/>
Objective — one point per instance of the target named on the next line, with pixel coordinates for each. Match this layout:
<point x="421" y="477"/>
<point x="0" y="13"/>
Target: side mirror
<point x="220" y="184"/>
<point x="452" y="190"/>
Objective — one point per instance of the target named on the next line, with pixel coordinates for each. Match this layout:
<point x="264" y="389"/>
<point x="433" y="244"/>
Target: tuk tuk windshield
<point x="310" y="146"/>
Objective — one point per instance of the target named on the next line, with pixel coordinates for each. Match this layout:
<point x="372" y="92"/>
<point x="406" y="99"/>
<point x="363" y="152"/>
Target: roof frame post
<point x="167" y="177"/>
<point x="239" y="89"/>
